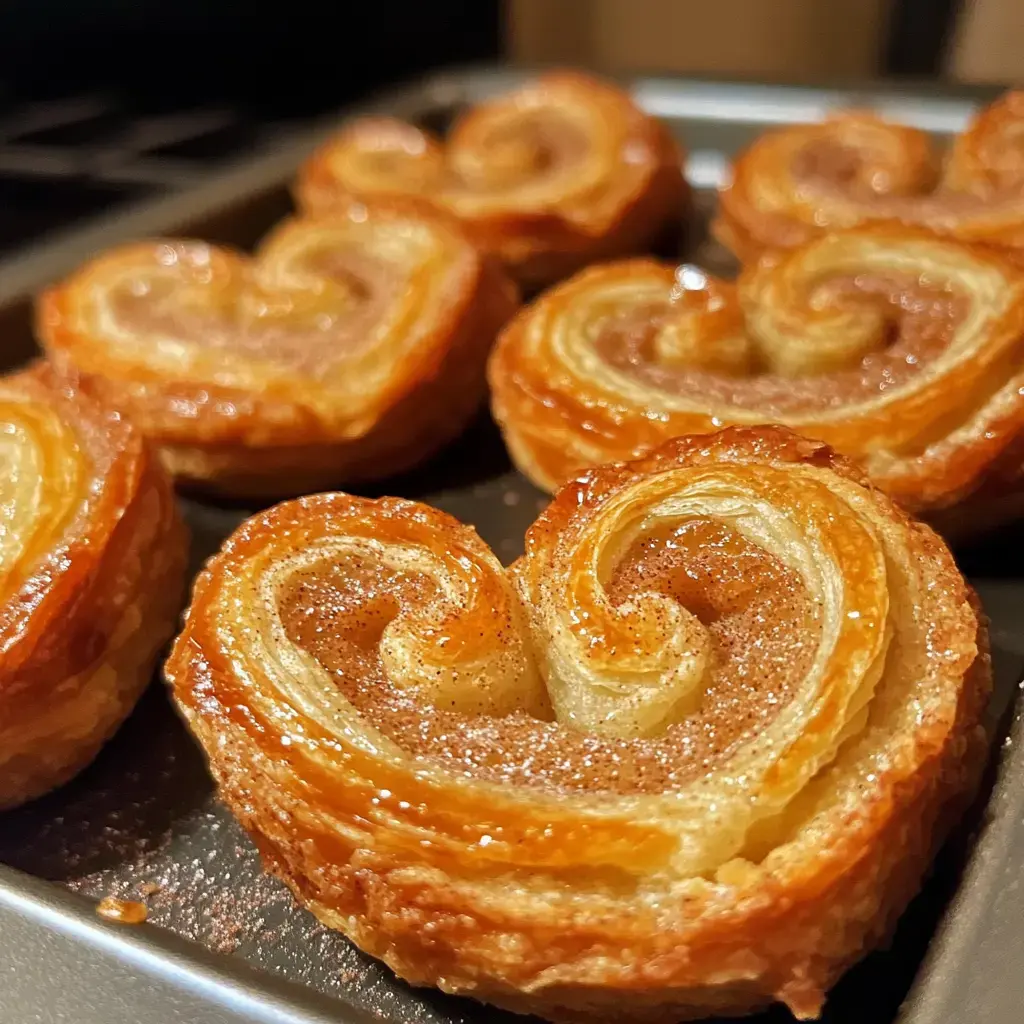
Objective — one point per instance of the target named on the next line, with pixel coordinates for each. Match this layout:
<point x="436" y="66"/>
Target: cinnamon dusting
<point x="763" y="625"/>
<point x="920" y="322"/>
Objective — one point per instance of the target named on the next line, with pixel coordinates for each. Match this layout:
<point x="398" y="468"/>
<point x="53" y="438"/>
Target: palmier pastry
<point x="351" y="347"/>
<point x="559" y="173"/>
<point x="689" y="755"/>
<point x="798" y="182"/>
<point x="92" y="563"/>
<point x="893" y="345"/>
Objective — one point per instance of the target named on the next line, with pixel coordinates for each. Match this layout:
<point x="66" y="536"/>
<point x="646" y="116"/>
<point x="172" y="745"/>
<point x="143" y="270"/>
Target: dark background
<point x="107" y="103"/>
<point x="300" y="56"/>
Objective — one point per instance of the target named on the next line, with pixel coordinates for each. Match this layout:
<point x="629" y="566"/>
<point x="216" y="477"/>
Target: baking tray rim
<point x="161" y="953"/>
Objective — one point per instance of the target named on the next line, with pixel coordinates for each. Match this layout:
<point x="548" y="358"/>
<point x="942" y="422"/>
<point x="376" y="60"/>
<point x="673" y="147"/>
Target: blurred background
<point x="106" y="102"/>
<point x="791" y="40"/>
<point x="309" y="54"/>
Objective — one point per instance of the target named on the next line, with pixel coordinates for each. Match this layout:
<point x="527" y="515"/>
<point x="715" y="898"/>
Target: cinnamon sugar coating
<point x="854" y="168"/>
<point x="690" y="754"/>
<point x="897" y="347"/>
<point x="552" y="176"/>
<point x="350" y="347"/>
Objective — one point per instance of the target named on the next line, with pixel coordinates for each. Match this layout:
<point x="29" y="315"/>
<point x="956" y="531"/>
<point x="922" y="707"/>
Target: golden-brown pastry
<point x="552" y="176"/>
<point x="351" y="347"/>
<point x="797" y="182"/>
<point x="893" y="345"/>
<point x="92" y="564"/>
<point x="689" y="755"/>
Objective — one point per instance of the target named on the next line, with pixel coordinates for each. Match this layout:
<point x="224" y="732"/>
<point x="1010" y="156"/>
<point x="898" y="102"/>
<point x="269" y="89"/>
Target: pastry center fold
<point x="755" y="628"/>
<point x="323" y="309"/>
<point x="849" y="338"/>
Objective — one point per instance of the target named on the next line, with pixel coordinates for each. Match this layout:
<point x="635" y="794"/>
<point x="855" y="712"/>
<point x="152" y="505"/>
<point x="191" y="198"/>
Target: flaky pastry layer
<point x="798" y="182"/>
<point x="349" y="348"/>
<point x="552" y="176"/>
<point x="92" y="562"/>
<point x="689" y="755"/>
<point x="895" y="346"/>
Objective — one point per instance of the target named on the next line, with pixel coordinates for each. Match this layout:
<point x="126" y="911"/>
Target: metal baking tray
<point x="225" y="943"/>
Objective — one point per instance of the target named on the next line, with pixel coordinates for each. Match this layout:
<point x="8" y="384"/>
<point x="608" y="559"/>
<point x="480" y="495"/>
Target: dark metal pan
<point x="224" y="943"/>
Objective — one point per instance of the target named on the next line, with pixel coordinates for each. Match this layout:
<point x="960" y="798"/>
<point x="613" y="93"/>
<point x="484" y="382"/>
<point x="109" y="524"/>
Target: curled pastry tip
<point x="558" y="173"/>
<point x="351" y="347"/>
<point x="720" y="712"/>
<point x="898" y="347"/>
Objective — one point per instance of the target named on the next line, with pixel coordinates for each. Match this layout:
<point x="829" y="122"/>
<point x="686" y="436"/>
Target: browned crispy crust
<point x="577" y="904"/>
<point x="252" y="424"/>
<point x="798" y="182"/>
<point x="565" y="171"/>
<point x="943" y="437"/>
<point x="93" y="591"/>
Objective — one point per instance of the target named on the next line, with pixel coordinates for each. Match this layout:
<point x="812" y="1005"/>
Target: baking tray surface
<point x="224" y="942"/>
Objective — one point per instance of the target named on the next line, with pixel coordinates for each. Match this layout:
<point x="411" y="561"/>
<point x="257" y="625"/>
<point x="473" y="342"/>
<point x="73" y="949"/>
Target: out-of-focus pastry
<point x="349" y="348"/>
<point x="689" y="755"/>
<point x="893" y="345"/>
<point x="798" y="182"/>
<point x="554" y="175"/>
<point x="92" y="565"/>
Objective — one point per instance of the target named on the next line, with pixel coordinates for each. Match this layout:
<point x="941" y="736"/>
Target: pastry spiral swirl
<point x="559" y="173"/>
<point x="690" y="754"/>
<point x="351" y="347"/>
<point x="92" y="563"/>
<point x="854" y="168"/>
<point x="895" y="346"/>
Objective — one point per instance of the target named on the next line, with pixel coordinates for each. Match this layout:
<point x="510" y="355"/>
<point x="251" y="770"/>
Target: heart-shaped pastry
<point x="797" y="182"/>
<point x="897" y="347"/>
<point x="689" y="755"/>
<point x="92" y="564"/>
<point x="549" y="177"/>
<point x="349" y="348"/>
